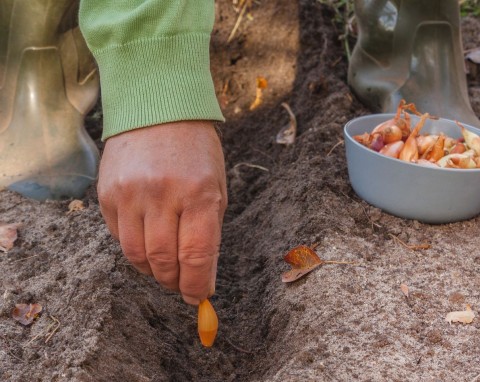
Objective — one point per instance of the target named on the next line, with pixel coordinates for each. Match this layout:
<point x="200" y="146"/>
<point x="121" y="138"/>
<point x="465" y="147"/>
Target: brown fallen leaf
<point x="261" y="84"/>
<point x="26" y="313"/>
<point x="8" y="235"/>
<point x="75" y="205"/>
<point x="464" y="316"/>
<point x="286" y="136"/>
<point x="303" y="260"/>
<point x="404" y="289"/>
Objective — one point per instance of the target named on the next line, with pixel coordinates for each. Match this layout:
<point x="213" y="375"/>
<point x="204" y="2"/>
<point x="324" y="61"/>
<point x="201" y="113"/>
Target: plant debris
<point x="413" y="247"/>
<point x="303" y="260"/>
<point x="464" y="316"/>
<point x="74" y="206"/>
<point x="261" y="84"/>
<point x="26" y="313"/>
<point x="286" y="136"/>
<point x="405" y="290"/>
<point x="8" y="235"/>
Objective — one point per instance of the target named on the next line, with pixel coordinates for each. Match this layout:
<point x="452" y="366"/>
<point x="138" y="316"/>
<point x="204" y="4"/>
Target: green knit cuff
<point x="148" y="82"/>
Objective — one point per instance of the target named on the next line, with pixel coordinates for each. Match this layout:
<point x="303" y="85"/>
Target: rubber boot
<point x="411" y="49"/>
<point x="48" y="82"/>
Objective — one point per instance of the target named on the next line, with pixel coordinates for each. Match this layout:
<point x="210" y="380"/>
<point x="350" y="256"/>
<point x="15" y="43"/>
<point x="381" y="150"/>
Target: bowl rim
<point x="395" y="160"/>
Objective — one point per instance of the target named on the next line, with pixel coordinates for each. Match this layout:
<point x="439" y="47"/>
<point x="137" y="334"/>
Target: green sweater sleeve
<point x="153" y="58"/>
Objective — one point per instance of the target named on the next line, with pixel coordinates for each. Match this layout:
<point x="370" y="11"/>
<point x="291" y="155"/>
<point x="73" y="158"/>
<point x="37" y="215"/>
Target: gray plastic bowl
<point x="409" y="190"/>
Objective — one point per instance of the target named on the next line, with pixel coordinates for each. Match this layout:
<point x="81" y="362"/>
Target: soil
<point x="103" y="321"/>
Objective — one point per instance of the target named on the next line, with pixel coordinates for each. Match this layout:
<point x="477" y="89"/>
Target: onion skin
<point x="451" y="142"/>
<point x="437" y="151"/>
<point x="425" y="143"/>
<point x="207" y="323"/>
<point x="427" y="163"/>
<point x="392" y="149"/>
<point x="364" y="139"/>
<point x="471" y="139"/>
<point x="457" y="161"/>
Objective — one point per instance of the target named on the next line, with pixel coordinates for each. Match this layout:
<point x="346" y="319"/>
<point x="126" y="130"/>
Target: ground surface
<point x="105" y="322"/>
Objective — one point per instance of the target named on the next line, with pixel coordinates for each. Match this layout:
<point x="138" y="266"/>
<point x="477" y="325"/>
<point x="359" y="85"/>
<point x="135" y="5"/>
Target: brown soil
<point x="105" y="322"/>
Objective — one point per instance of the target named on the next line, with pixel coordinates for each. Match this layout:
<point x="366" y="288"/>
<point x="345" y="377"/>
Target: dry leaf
<point x="261" y="84"/>
<point x="8" y="235"/>
<point x="26" y="313"/>
<point x="75" y="205"/>
<point x="287" y="135"/>
<point x="303" y="260"/>
<point x="466" y="316"/>
<point x="404" y="289"/>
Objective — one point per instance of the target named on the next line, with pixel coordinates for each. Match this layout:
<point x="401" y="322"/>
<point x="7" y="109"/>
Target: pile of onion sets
<point x="396" y="138"/>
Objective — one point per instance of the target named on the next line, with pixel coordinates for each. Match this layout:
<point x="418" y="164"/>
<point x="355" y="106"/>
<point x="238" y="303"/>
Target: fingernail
<point x="191" y="300"/>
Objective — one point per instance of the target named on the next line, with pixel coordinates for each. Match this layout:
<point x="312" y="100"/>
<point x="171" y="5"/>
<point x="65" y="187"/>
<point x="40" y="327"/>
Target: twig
<point x="25" y="258"/>
<point x="338" y="262"/>
<point x="340" y="142"/>
<point x="54" y="330"/>
<point x="251" y="165"/>
<point x="413" y="247"/>
<point x="237" y="24"/>
<point x="239" y="348"/>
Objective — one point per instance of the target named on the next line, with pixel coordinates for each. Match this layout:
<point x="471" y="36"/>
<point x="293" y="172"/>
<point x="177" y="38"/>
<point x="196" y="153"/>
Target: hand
<point x="162" y="192"/>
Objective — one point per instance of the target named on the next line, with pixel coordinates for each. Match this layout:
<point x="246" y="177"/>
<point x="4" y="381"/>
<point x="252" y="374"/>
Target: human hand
<point x="162" y="192"/>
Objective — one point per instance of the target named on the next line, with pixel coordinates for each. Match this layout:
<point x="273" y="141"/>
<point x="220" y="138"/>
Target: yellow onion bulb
<point x="207" y="323"/>
<point x="391" y="134"/>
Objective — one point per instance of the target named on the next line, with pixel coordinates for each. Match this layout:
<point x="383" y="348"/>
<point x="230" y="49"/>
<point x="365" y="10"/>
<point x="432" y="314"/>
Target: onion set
<point x="396" y="138"/>
<point x="207" y="323"/>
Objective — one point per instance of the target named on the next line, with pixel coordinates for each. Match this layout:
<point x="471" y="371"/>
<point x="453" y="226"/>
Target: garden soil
<point x="102" y="321"/>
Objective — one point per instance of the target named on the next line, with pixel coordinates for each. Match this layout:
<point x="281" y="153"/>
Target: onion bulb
<point x="392" y="149"/>
<point x="458" y="148"/>
<point x="377" y="142"/>
<point x="409" y="152"/>
<point x="207" y="323"/>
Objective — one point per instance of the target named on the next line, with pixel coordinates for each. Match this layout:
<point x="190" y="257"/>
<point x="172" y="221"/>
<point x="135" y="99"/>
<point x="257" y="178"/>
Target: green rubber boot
<point x="411" y="49"/>
<point x="48" y="82"/>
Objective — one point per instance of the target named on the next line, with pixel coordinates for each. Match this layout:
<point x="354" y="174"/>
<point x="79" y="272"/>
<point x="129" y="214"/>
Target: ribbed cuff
<point x="155" y="81"/>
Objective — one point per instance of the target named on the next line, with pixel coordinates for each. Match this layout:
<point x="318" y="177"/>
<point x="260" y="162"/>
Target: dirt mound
<point x="105" y="322"/>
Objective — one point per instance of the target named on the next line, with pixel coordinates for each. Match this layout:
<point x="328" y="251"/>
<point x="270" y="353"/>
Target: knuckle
<point x="197" y="258"/>
<point x="162" y="259"/>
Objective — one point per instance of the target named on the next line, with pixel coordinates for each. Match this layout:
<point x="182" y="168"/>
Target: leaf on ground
<point x="261" y="84"/>
<point x="464" y="316"/>
<point x="75" y="205"/>
<point x="26" y="313"/>
<point x="303" y="260"/>
<point x="8" y="235"/>
<point x="404" y="289"/>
